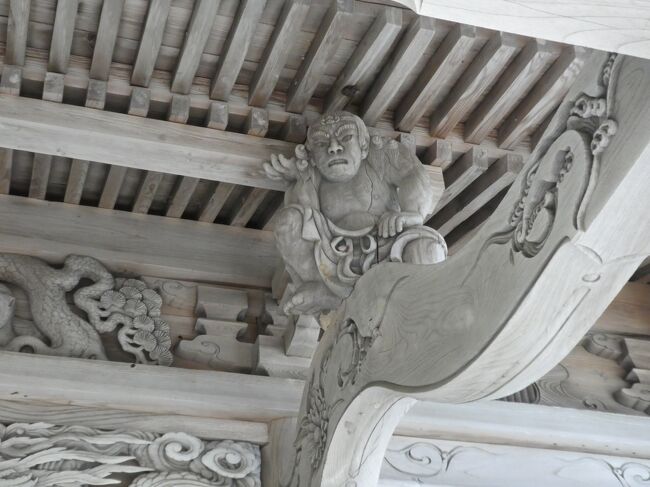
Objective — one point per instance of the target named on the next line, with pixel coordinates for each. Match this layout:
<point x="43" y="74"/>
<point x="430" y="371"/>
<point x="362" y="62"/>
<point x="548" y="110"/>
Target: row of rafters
<point x="467" y="98"/>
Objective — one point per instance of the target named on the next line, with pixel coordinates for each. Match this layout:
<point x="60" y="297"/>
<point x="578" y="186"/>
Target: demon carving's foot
<point x="311" y="298"/>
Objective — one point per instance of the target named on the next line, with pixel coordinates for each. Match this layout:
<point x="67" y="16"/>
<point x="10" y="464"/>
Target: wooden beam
<point x="609" y="25"/>
<point x="147" y="388"/>
<point x="151" y="41"/>
<point x="462" y="173"/>
<point x="83" y="133"/>
<point x="11" y="80"/>
<point x="179" y="112"/>
<point x="249" y="207"/>
<point x="527" y="68"/>
<point x="496" y="178"/>
<point x="443" y="69"/>
<point x="119" y="87"/>
<point x="41" y="167"/>
<point x="214" y="205"/>
<point x="217" y="117"/>
<point x="320" y="53"/>
<point x="147" y="244"/>
<point x="370" y="52"/>
<point x="477" y="79"/>
<point x="116" y="174"/>
<point x="76" y="181"/>
<point x="257" y="122"/>
<point x="6" y="166"/>
<point x="234" y="52"/>
<point x="403" y="60"/>
<point x="28" y="411"/>
<point x="109" y="23"/>
<point x="147" y="191"/>
<point x="544" y="98"/>
<point x="196" y="37"/>
<point x="17" y="25"/>
<point x="439" y="154"/>
<point x="277" y="51"/>
<point x="62" y="32"/>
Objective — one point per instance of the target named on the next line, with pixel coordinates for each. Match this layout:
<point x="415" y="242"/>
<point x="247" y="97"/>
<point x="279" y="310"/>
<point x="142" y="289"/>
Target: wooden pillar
<point x="508" y="306"/>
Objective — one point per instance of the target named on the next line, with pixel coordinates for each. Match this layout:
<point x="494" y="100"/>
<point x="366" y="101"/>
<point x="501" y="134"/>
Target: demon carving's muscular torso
<point x="353" y="201"/>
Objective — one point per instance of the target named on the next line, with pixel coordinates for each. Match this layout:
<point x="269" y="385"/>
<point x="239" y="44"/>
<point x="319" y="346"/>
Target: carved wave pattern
<point x="43" y="455"/>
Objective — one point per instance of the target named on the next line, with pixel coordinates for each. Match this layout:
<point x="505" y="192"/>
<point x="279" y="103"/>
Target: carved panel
<point x="43" y="455"/>
<point x="443" y="463"/>
<point x="127" y="308"/>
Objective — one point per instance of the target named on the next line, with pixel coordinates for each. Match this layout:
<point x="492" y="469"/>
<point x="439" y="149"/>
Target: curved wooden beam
<point x="505" y="309"/>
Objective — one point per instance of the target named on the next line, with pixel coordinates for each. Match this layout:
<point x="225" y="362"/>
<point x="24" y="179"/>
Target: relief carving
<point x="353" y="201"/>
<point x="589" y="128"/>
<point x="126" y="307"/>
<point x="43" y="455"/>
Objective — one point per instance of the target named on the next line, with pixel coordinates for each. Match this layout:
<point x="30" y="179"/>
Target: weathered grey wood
<point x="146" y="388"/>
<point x="544" y="97"/>
<point x="109" y="23"/>
<point x="112" y="187"/>
<point x="214" y="205"/>
<point x="53" y="86"/>
<point x="139" y="107"/>
<point x="517" y="80"/>
<point x="62" y="32"/>
<point x="76" y="181"/>
<point x="321" y="51"/>
<point x="6" y="166"/>
<point x="182" y="195"/>
<point x="558" y="248"/>
<point x="248" y="207"/>
<point x="40" y="176"/>
<point x="295" y="129"/>
<point x="147" y="191"/>
<point x="474" y="83"/>
<point x="108" y="137"/>
<point x="96" y="94"/>
<point x="439" y="154"/>
<point x="370" y="52"/>
<point x="257" y="122"/>
<point x="151" y="41"/>
<point x="139" y="102"/>
<point x="11" y="80"/>
<point x="217" y="117"/>
<point x="446" y="65"/>
<point x="196" y="37"/>
<point x="612" y="25"/>
<point x="179" y="112"/>
<point x="147" y="244"/>
<point x="402" y="62"/>
<point x="110" y="419"/>
<point x="496" y="178"/>
<point x="462" y="173"/>
<point x="17" y="24"/>
<point x="234" y="51"/>
<point x="120" y="88"/>
<point x="277" y="51"/>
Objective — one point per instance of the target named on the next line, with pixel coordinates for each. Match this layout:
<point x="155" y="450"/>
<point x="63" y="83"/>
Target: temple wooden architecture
<point x="155" y="330"/>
